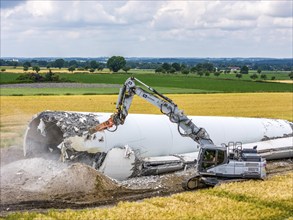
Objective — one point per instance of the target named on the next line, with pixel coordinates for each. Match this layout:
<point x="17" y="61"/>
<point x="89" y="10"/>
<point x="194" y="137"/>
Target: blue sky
<point x="43" y="28"/>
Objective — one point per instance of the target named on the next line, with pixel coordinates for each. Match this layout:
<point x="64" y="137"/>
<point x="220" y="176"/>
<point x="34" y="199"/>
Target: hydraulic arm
<point x="166" y="106"/>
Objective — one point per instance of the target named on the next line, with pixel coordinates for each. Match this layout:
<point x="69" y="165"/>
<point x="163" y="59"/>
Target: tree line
<point x="114" y="63"/>
<point x="153" y="63"/>
<point x="200" y="69"/>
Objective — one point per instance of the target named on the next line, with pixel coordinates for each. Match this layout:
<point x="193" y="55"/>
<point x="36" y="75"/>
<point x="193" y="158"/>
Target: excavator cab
<point x="211" y="156"/>
<point x="219" y="164"/>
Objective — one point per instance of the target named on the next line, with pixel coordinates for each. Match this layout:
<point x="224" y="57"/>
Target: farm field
<point x="280" y="75"/>
<point x="16" y="111"/>
<point x="270" y="199"/>
<point x="17" y="91"/>
<point x="19" y="104"/>
<point x="194" y="83"/>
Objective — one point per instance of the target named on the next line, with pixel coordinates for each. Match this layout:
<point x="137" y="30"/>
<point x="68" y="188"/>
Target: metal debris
<point x="41" y="127"/>
<point x="70" y="123"/>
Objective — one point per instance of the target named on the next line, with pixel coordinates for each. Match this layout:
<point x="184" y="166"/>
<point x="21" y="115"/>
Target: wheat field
<point x="270" y="105"/>
<point x="16" y="111"/>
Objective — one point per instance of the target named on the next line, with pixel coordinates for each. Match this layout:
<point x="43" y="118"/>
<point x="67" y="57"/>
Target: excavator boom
<point x="166" y="106"/>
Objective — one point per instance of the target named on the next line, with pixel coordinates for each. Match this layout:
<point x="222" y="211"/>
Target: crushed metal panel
<point x="274" y="149"/>
<point x="119" y="163"/>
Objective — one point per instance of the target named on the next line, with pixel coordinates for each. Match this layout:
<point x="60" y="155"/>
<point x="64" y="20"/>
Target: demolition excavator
<point x="214" y="164"/>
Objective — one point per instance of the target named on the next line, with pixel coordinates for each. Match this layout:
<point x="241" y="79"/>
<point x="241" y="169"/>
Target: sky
<point x="52" y="28"/>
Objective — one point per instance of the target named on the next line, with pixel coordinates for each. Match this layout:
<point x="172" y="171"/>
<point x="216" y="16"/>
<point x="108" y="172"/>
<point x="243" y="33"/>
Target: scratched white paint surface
<point x="155" y="135"/>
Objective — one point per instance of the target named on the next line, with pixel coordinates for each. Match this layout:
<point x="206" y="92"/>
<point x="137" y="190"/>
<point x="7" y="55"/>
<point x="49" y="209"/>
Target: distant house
<point x="234" y="68"/>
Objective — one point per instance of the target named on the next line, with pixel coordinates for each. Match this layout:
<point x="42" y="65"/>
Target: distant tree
<point x="159" y="70"/>
<point x="48" y="66"/>
<point x="42" y="63"/>
<point x="183" y="66"/>
<point x="198" y="68"/>
<point x="28" y="64"/>
<point x="31" y="77"/>
<point x="115" y="63"/>
<point x="172" y="70"/>
<point x="217" y="73"/>
<point x="92" y="70"/>
<point x="208" y="67"/>
<point x="36" y="68"/>
<point x="244" y="70"/>
<point x="254" y="76"/>
<point x="94" y="64"/>
<point x="200" y="73"/>
<point x="193" y="69"/>
<point x="100" y="68"/>
<point x="258" y="71"/>
<point x="73" y="63"/>
<point x="50" y="76"/>
<point x="176" y="66"/>
<point x="166" y="67"/>
<point x="59" y="63"/>
<point x="34" y="63"/>
<point x="238" y="75"/>
<point x="207" y="73"/>
<point x="185" y="71"/>
<point x="263" y="76"/>
<point x="126" y="69"/>
<point x="3" y="70"/>
<point x="25" y="68"/>
<point x="71" y="69"/>
<point x="291" y="75"/>
<point x="273" y="78"/>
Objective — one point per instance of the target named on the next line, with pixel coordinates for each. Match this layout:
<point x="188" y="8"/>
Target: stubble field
<point x="270" y="199"/>
<point x="16" y="111"/>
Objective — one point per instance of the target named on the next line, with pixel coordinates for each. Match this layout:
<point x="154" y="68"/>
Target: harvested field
<point x="270" y="105"/>
<point x="17" y="111"/>
<point x="281" y="81"/>
<point x="78" y="186"/>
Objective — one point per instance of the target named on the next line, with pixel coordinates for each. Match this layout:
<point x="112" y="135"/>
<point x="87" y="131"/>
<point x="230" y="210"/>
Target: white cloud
<point x="147" y="28"/>
<point x="134" y="12"/>
<point x="39" y="8"/>
<point x="280" y="8"/>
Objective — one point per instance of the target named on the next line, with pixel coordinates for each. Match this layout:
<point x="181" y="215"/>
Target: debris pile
<point x="70" y="123"/>
<point x="79" y="178"/>
<point x="42" y="179"/>
<point x="41" y="183"/>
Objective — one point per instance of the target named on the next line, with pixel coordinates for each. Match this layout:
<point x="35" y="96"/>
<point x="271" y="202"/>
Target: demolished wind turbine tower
<point x="148" y="144"/>
<point x="149" y="140"/>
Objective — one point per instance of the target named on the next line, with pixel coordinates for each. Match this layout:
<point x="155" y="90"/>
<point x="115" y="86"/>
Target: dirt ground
<point x="38" y="183"/>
